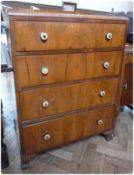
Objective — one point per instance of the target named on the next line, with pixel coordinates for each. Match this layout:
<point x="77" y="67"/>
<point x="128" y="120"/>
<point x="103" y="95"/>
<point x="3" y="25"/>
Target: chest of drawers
<point x="127" y="88"/>
<point x="68" y="74"/>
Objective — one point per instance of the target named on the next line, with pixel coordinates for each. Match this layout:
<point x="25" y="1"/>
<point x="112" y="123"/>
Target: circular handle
<point x="47" y="137"/>
<point x="45" y="104"/>
<point x="43" y="36"/>
<point x="106" y="65"/>
<point x="102" y="93"/>
<point x="44" y="70"/>
<point x="100" y="122"/>
<point x="108" y="36"/>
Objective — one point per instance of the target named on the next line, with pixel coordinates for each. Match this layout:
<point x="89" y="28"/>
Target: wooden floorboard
<point x="92" y="155"/>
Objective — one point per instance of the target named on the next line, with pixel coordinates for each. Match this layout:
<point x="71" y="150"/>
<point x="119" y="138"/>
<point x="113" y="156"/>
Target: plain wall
<point x="100" y="5"/>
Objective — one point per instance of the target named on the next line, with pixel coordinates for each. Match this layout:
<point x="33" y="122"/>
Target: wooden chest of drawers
<point x="68" y="76"/>
<point x="127" y="87"/>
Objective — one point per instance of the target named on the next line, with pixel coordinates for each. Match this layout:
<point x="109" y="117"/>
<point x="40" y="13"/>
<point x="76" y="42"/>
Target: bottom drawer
<point x="60" y="131"/>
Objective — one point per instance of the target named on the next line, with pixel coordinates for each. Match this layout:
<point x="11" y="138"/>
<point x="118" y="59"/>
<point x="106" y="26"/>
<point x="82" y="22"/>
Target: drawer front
<point x="64" y="130"/>
<point x="37" y="70"/>
<point x="46" y="101"/>
<point x="37" y="36"/>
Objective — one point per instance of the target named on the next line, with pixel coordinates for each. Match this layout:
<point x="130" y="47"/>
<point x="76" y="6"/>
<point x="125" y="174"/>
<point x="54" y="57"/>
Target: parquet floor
<point x="92" y="155"/>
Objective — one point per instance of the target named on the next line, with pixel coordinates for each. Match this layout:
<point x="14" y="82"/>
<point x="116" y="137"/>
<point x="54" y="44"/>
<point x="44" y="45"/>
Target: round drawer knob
<point x="44" y="70"/>
<point x="47" y="137"/>
<point x="45" y="104"/>
<point x="108" y="36"/>
<point x="102" y="93"/>
<point x="100" y="122"/>
<point x="43" y="36"/>
<point x="106" y="65"/>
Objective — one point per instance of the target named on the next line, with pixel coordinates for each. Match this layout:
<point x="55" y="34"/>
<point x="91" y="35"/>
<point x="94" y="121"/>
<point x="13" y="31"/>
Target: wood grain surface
<point x="66" y="67"/>
<point x="67" y="129"/>
<point x="66" y="98"/>
<point x="64" y="35"/>
<point x="127" y="86"/>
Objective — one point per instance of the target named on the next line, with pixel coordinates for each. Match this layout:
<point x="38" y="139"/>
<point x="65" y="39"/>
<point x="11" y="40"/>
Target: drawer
<point x="45" y="101"/>
<point x="37" y="36"/>
<point x="37" y="70"/>
<point x="67" y="129"/>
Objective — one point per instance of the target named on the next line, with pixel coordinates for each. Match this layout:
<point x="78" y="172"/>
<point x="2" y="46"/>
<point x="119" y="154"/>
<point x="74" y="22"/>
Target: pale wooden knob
<point x="47" y="137"/>
<point x="106" y="65"/>
<point x="102" y="93"/>
<point x="43" y="36"/>
<point x="109" y="36"/>
<point x="100" y="122"/>
<point x="45" y="104"/>
<point x="44" y="70"/>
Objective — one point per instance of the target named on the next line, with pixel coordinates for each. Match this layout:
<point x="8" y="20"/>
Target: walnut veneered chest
<point x="68" y="76"/>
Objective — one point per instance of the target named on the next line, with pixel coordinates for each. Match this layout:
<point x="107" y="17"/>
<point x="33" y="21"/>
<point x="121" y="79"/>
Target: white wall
<point x="101" y="5"/>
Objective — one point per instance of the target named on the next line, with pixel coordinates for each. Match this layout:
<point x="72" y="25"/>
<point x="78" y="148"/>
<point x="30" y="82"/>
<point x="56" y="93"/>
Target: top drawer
<point x="37" y="36"/>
